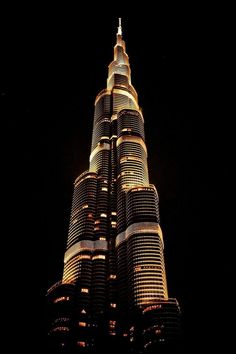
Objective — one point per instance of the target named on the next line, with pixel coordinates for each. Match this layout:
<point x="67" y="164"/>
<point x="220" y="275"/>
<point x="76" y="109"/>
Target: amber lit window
<point x="62" y="298"/>
<point x="99" y="256"/>
<point x="84" y="290"/>
<point x="112" y="276"/>
<point x="82" y="324"/>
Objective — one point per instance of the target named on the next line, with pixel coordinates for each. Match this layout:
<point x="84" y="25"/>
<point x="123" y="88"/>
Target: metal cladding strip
<point x="120" y="238"/>
<point x="101" y="94"/>
<point x="139" y="228"/>
<point x="103" y="146"/>
<point x="85" y="245"/>
<point x="132" y="139"/>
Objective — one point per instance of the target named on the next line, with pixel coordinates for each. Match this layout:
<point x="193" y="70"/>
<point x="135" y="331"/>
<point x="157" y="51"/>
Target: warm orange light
<point x="82" y="324"/>
<point x="84" y="290"/>
<point x="62" y="298"/>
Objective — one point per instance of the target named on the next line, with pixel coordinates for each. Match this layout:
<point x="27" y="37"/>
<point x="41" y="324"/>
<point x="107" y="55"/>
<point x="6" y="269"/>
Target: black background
<point x="54" y="62"/>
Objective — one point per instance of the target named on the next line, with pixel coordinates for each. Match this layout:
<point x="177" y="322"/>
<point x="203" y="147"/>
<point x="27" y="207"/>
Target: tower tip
<point x="120" y="27"/>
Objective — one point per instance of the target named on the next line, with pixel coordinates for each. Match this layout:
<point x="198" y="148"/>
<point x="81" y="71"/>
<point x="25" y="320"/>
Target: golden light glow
<point x="85" y="245"/>
<point x="114" y="117"/>
<point x="101" y="94"/>
<point x="140" y="227"/>
<point x="99" y="256"/>
<point x="112" y="276"/>
<point x="80" y="179"/>
<point x="61" y="298"/>
<point x="152" y="307"/>
<point x="125" y="93"/>
<point x="119" y="161"/>
<point x="85" y="206"/>
<point x="132" y="139"/>
<point x="101" y="147"/>
<point x="82" y="324"/>
<point x="84" y="290"/>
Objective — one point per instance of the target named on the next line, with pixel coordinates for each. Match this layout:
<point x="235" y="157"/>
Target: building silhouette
<point x="113" y="294"/>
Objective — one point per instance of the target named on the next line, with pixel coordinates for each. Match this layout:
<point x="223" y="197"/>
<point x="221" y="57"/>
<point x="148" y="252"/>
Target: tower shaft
<point x="114" y="271"/>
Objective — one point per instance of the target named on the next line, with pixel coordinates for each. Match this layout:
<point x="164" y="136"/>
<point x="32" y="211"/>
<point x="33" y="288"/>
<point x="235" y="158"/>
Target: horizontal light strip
<point x="125" y="93"/>
<point x="85" y="245"/>
<point x="132" y="139"/>
<point x="84" y="175"/>
<point x="139" y="228"/>
<point x="103" y="146"/>
<point x="101" y="94"/>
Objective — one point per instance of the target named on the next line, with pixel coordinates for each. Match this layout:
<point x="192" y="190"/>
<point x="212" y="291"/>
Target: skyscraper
<point x="113" y="291"/>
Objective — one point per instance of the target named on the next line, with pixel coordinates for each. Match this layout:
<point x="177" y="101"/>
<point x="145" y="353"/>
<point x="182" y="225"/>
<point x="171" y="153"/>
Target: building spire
<point x="120" y="27"/>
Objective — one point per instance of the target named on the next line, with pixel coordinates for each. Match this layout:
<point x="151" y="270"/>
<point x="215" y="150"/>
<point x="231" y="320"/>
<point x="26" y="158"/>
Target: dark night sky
<point x="54" y="64"/>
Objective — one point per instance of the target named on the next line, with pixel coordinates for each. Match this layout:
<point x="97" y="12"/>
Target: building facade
<point x="113" y="293"/>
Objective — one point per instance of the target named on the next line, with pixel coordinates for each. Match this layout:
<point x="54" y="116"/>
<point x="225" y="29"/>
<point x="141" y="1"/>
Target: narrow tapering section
<point x="120" y="27"/>
<point x="114" y="287"/>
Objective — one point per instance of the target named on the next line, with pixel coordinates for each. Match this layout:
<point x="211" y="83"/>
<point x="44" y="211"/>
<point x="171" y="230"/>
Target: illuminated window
<point x="83" y="311"/>
<point x="90" y="215"/>
<point x="103" y="215"/>
<point x="82" y="324"/>
<point x="97" y="222"/>
<point x="137" y="269"/>
<point x="84" y="256"/>
<point x="112" y="276"/>
<point x="112" y="324"/>
<point x="85" y="206"/>
<point x="152" y="307"/>
<point x="60" y="329"/>
<point x="84" y="290"/>
<point x="113" y="305"/>
<point x="99" y="256"/>
<point x="113" y="224"/>
<point x="81" y="344"/>
<point x="74" y="221"/>
<point x="102" y="238"/>
<point x="113" y="213"/>
<point x="104" y="189"/>
<point x="62" y="298"/>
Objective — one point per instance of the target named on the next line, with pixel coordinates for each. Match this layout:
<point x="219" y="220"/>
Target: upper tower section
<point x="119" y="73"/>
